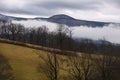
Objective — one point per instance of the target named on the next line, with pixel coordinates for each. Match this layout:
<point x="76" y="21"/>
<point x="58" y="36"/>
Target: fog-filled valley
<point x="110" y="32"/>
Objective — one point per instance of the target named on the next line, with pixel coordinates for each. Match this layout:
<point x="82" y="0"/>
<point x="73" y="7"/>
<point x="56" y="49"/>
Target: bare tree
<point x="80" y="67"/>
<point x="43" y="36"/>
<point x="86" y="65"/>
<point x="19" y="32"/>
<point x="106" y="66"/>
<point x="75" y="68"/>
<point x="4" y="31"/>
<point x="70" y="40"/>
<point x="50" y="66"/>
<point x="12" y="29"/>
<point x="32" y="35"/>
<point x="15" y="30"/>
<point x="61" y="35"/>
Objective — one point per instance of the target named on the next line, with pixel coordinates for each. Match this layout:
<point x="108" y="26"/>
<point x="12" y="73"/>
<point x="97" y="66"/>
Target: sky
<point x="95" y="10"/>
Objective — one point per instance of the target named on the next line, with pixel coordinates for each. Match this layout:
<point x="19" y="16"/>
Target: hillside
<point x="25" y="59"/>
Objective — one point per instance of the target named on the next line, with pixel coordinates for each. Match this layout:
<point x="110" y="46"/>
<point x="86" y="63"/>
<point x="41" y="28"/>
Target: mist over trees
<point x="84" y="67"/>
<point x="60" y="39"/>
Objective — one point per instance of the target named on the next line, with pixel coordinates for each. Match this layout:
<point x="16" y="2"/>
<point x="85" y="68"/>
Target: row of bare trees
<point x="61" y="38"/>
<point x="40" y="35"/>
<point x="83" y="67"/>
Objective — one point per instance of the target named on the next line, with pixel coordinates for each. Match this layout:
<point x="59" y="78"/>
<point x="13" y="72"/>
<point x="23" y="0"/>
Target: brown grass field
<point x="24" y="60"/>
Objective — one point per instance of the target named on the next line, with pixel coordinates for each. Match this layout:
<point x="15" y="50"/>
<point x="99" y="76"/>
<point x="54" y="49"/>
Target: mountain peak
<point x="61" y="16"/>
<point x="60" y="19"/>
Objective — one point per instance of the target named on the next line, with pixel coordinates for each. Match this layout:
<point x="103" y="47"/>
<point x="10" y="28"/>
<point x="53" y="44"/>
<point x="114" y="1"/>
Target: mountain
<point x="69" y="21"/>
<point x="9" y="18"/>
<point x="61" y="19"/>
<point x="96" y="42"/>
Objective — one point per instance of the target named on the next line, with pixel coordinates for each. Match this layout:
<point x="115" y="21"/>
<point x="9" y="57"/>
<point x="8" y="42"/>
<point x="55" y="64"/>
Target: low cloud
<point x="37" y="23"/>
<point x="110" y="33"/>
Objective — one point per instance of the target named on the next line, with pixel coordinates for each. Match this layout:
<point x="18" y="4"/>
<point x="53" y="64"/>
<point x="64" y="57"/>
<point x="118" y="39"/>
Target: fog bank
<point x="110" y="33"/>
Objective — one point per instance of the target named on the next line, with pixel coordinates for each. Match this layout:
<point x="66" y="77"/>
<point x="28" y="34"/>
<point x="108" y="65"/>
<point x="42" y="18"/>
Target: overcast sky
<point x="97" y="10"/>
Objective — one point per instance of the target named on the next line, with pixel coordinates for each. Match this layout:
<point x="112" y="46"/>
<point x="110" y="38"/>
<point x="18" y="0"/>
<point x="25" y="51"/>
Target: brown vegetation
<point x="57" y="51"/>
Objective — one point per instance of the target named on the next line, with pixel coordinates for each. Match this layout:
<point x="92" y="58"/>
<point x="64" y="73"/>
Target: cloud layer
<point x="101" y="10"/>
<point x="110" y="33"/>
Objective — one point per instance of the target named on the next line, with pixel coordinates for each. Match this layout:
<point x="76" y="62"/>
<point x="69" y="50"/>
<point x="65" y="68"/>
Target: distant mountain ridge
<point x="8" y="18"/>
<point x="61" y="19"/>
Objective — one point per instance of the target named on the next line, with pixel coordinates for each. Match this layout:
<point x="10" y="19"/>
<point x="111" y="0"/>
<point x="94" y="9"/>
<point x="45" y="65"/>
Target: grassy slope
<point x="23" y="61"/>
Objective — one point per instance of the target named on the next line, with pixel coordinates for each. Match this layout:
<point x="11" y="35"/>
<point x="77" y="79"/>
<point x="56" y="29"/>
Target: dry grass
<point x="24" y="60"/>
<point x="57" y="51"/>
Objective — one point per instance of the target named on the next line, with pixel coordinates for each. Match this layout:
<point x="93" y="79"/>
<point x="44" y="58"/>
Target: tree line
<point x="61" y="38"/>
<point x="39" y="36"/>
